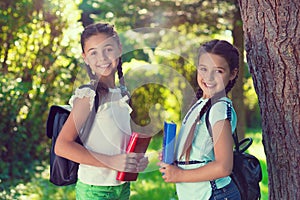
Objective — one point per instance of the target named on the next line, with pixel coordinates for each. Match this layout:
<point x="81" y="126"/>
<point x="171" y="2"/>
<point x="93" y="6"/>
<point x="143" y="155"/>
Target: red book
<point x="138" y="143"/>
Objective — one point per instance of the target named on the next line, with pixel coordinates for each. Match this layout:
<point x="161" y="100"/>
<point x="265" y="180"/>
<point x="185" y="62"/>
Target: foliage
<point x="40" y="53"/>
<point x="252" y="108"/>
<point x="37" y="57"/>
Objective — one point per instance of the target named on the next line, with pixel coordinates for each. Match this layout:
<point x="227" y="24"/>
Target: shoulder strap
<point x="208" y="125"/>
<point x="237" y="144"/>
<point x="83" y="135"/>
<point x="209" y="128"/>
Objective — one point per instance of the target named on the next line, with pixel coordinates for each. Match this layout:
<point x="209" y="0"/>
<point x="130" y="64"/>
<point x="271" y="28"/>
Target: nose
<point x="210" y="76"/>
<point x="101" y="56"/>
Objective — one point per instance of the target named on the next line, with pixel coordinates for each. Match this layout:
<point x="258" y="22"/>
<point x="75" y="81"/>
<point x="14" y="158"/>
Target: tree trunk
<point x="238" y="91"/>
<point x="272" y="38"/>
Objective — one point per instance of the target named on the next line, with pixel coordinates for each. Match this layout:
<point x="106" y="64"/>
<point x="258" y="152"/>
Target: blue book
<point x="169" y="142"/>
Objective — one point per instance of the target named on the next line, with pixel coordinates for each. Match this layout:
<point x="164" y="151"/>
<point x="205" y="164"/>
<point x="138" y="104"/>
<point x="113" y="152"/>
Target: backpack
<point x="246" y="172"/>
<point x="63" y="171"/>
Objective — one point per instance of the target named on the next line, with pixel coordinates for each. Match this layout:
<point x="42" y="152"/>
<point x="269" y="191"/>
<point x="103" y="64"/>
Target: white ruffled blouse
<point x="109" y="134"/>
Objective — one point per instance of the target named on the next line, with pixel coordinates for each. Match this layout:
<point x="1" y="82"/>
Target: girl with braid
<point x="102" y="154"/>
<point x="203" y="156"/>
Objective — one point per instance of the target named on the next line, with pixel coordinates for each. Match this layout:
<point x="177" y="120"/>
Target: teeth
<point x="209" y="85"/>
<point x="104" y="66"/>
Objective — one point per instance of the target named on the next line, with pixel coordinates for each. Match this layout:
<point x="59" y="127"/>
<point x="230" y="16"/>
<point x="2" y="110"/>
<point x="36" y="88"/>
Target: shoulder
<point x="221" y="110"/>
<point x="83" y="94"/>
<point x="222" y="105"/>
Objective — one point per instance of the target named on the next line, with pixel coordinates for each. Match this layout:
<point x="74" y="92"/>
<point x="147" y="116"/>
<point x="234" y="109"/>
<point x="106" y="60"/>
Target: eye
<point x="93" y="53"/>
<point x="219" y="71"/>
<point x="108" y="49"/>
<point x="201" y="69"/>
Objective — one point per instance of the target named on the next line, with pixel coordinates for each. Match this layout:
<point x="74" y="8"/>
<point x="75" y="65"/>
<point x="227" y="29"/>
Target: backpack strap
<point x="83" y="135"/>
<point x="237" y="144"/>
<point x="208" y="125"/>
<point x="209" y="128"/>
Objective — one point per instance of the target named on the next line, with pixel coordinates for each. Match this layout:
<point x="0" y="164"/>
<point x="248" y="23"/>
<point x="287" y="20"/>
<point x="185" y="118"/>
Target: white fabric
<point x="81" y="93"/>
<point x="109" y="135"/>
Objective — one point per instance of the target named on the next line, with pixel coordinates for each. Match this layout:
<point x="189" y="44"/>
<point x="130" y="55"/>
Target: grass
<point x="149" y="185"/>
<point x="257" y="150"/>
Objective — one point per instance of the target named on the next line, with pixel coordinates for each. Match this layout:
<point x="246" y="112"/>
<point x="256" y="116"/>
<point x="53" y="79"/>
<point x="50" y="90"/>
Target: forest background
<point x="41" y="65"/>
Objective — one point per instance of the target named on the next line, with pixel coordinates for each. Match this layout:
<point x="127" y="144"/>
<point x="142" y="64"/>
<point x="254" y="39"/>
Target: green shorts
<point x="94" y="192"/>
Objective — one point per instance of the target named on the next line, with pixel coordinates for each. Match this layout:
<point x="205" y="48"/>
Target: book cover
<point x="169" y="142"/>
<point x="138" y="143"/>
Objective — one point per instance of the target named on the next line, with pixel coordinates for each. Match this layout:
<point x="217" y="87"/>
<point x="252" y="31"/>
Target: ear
<point x="233" y="74"/>
<point x="84" y="58"/>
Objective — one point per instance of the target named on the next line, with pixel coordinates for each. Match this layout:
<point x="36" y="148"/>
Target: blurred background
<point x="41" y="65"/>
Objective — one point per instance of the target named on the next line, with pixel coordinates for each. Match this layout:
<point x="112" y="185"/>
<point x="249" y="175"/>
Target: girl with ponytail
<point x="204" y="158"/>
<point x="103" y="152"/>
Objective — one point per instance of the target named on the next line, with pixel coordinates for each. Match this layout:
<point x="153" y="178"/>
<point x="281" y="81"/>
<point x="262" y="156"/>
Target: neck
<point x="108" y="81"/>
<point x="215" y="96"/>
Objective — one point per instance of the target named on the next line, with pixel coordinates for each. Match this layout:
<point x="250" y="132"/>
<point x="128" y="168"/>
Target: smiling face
<point x="213" y="74"/>
<point x="102" y="53"/>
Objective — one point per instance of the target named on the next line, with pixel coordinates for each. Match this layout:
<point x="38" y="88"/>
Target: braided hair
<point x="105" y="28"/>
<point x="231" y="55"/>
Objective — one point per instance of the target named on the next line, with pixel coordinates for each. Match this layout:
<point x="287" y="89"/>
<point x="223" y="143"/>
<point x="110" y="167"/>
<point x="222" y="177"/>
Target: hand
<point x="160" y="156"/>
<point x="129" y="162"/>
<point x="170" y="173"/>
<point x="142" y="164"/>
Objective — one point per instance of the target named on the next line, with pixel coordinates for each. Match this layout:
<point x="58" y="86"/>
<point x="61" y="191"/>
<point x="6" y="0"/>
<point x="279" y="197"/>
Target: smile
<point x="209" y="85"/>
<point x="103" y="66"/>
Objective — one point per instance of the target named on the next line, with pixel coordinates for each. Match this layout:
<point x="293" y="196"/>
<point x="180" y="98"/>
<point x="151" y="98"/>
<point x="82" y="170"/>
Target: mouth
<point x="104" y="66"/>
<point x="209" y="85"/>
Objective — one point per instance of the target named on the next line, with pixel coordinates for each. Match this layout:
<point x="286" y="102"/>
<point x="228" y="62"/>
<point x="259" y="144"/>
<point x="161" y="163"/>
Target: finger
<point x="131" y="160"/>
<point x="143" y="163"/>
<point x="162" y="164"/>
<point x="162" y="170"/>
<point x="164" y="177"/>
<point x="135" y="157"/>
<point x="140" y="156"/>
<point x="131" y="168"/>
<point x="144" y="160"/>
<point x="141" y="168"/>
<point x="160" y="156"/>
<point x="165" y="165"/>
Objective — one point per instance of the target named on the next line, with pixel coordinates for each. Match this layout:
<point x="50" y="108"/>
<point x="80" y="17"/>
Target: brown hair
<point x="231" y="55"/>
<point x="105" y="28"/>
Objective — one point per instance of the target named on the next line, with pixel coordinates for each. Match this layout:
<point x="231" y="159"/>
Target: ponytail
<point x="123" y="88"/>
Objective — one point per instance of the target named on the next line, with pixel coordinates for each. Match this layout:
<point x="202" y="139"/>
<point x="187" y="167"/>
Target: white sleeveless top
<point x="109" y="134"/>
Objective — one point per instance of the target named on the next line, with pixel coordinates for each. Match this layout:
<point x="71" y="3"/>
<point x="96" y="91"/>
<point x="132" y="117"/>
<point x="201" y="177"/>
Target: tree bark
<point x="272" y="38"/>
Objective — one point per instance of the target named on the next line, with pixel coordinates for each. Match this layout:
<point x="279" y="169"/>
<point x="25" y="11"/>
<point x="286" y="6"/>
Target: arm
<point x="67" y="147"/>
<point x="220" y="167"/>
